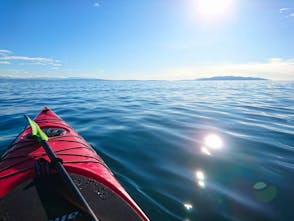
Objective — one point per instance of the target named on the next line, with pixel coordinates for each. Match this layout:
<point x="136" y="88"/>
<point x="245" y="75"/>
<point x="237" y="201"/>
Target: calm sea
<point x="184" y="150"/>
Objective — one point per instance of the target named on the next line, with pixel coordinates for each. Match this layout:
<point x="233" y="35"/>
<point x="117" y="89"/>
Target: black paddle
<point x="57" y="164"/>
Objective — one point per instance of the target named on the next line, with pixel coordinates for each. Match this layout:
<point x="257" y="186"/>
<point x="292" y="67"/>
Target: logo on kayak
<point x="69" y="216"/>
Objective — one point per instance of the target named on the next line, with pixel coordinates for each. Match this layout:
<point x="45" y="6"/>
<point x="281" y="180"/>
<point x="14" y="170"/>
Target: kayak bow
<point x="32" y="184"/>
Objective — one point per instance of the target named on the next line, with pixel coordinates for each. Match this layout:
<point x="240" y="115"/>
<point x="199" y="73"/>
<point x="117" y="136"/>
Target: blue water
<point x="184" y="150"/>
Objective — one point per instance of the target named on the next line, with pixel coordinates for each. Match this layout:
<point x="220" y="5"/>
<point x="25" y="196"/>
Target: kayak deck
<point x="24" y="178"/>
<point x="48" y="198"/>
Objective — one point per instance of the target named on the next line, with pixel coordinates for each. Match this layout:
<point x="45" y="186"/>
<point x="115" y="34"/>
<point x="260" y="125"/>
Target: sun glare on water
<point x="213" y="141"/>
<point x="213" y="10"/>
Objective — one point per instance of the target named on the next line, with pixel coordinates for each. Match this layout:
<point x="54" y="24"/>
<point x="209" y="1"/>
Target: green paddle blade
<point x="36" y="130"/>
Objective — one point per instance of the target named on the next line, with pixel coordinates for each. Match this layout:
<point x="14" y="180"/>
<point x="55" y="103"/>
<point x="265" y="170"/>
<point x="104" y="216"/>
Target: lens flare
<point x="264" y="193"/>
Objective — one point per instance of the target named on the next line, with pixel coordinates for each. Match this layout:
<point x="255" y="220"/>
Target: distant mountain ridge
<point x="231" y="78"/>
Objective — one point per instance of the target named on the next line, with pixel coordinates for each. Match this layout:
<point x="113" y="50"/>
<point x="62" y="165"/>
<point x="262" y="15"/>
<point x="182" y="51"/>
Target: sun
<point x="213" y="10"/>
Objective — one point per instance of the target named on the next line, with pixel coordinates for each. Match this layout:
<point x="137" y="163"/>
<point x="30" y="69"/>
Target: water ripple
<point x="152" y="134"/>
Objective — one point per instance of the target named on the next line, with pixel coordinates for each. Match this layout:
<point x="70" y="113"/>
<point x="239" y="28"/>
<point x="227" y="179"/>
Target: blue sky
<point x="147" y="39"/>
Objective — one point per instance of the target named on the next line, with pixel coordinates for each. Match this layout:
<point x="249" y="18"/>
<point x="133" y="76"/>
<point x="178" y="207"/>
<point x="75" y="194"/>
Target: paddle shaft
<point x="68" y="180"/>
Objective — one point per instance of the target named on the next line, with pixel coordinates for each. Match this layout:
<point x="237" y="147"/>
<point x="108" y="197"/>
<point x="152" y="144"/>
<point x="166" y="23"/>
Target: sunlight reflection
<point x="200" y="175"/>
<point x="201" y="184"/>
<point x="200" y="179"/>
<point x="205" y="151"/>
<point x="188" y="206"/>
<point x="213" y="141"/>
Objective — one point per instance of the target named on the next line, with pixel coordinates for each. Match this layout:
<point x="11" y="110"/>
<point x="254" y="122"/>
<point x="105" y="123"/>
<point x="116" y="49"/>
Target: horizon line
<point x="103" y="79"/>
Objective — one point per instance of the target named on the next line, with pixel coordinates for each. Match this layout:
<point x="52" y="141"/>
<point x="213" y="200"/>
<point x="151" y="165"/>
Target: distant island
<point x="231" y="78"/>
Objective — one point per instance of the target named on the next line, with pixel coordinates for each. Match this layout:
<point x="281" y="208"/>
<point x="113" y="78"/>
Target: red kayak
<point x="32" y="189"/>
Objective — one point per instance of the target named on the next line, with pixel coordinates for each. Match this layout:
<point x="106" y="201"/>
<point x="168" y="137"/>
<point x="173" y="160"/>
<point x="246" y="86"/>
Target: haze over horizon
<point x="159" y="39"/>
